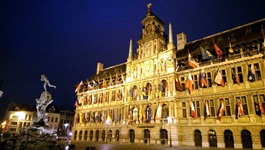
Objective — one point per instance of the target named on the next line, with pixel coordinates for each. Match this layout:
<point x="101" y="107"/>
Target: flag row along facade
<point x="209" y="92"/>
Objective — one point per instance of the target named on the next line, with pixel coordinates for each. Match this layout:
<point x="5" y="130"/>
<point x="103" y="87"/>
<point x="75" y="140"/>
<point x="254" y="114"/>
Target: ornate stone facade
<point x="156" y="97"/>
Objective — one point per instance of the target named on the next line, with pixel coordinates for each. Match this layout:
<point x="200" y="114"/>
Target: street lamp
<point x="169" y="120"/>
<point x="107" y="122"/>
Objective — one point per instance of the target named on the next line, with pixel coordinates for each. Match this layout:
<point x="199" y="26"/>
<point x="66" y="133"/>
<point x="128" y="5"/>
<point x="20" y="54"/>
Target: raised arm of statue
<point x="46" y="82"/>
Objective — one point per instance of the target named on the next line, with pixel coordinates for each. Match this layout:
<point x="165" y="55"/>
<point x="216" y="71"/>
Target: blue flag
<point x="206" y="54"/>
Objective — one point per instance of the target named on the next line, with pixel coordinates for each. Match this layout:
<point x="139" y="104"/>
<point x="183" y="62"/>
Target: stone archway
<point x="91" y="135"/>
<point x="80" y="135"/>
<point x="229" y="139"/>
<point x="163" y="136"/>
<point x="262" y="137"/>
<point x="198" y="138"/>
<point x="103" y="135"/>
<point x="97" y="135"/>
<point x="146" y="136"/>
<point x="117" y="135"/>
<point x="246" y="139"/>
<point x="132" y="135"/>
<point x="212" y="138"/>
<point x="85" y="135"/>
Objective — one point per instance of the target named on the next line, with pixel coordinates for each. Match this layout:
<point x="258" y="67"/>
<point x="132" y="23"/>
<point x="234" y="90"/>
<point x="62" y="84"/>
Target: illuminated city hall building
<point x="209" y="92"/>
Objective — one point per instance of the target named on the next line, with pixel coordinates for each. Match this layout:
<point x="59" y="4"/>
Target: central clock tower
<point x="153" y="56"/>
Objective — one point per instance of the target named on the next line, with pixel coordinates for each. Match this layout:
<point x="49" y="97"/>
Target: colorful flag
<point x="235" y="77"/>
<point x="159" y="111"/>
<point x="192" y="110"/>
<point x="89" y="86"/>
<point x="94" y="83"/>
<point x="251" y="73"/>
<point x="79" y="86"/>
<point x="189" y="82"/>
<point x="144" y="93"/>
<point x="217" y="50"/>
<point x="160" y="90"/>
<point x="141" y="113"/>
<point x="240" y="111"/>
<point x="206" y="54"/>
<point x="76" y="103"/>
<point x="230" y="50"/>
<point x="178" y="85"/>
<point x="116" y="79"/>
<point x="203" y="79"/>
<point x="207" y="109"/>
<point x="109" y="117"/>
<point x="221" y="110"/>
<point x="192" y="62"/>
<point x="261" y="107"/>
<point x="177" y="66"/>
<point x="104" y="84"/>
<point x="219" y="79"/>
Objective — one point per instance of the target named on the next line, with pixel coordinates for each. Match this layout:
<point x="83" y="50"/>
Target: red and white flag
<point x="207" y="109"/>
<point x="222" y="109"/>
<point x="79" y="86"/>
<point x="219" y="79"/>
<point x="192" y="62"/>
<point x="261" y="107"/>
<point x="240" y="111"/>
<point x="189" y="82"/>
<point x="192" y="110"/>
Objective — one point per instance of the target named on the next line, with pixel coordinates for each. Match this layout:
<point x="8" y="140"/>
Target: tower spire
<point x="170" y="37"/>
<point x="129" y="59"/>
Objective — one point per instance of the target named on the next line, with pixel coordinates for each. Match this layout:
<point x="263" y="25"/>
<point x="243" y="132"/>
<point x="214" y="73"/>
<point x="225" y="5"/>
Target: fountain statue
<point x="38" y="135"/>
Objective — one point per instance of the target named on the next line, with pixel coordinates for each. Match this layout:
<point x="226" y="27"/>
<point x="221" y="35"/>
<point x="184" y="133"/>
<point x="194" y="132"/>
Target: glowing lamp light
<point x="21" y="115"/>
<point x="107" y="121"/>
<point x="169" y="119"/>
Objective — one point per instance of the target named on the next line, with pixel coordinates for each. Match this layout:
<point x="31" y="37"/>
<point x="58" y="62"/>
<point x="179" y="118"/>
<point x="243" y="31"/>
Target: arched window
<point x="85" y="135"/>
<point x="246" y="139"/>
<point x="212" y="138"/>
<point x="80" y="135"/>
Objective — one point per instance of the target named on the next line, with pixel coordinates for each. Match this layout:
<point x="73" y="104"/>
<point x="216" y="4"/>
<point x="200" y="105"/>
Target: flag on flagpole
<point x="217" y="50"/>
<point x="189" y="82"/>
<point x="206" y="54"/>
<point x="109" y="117"/>
<point x="221" y="110"/>
<point x="192" y="110"/>
<point x="159" y="111"/>
<point x="251" y="73"/>
<point x="261" y="107"/>
<point x="219" y="79"/>
<point x="141" y="113"/>
<point x="177" y="66"/>
<point x="116" y="79"/>
<point x="178" y="85"/>
<point x="203" y="79"/>
<point x="160" y="90"/>
<point x="79" y="86"/>
<point x="235" y="77"/>
<point x="230" y="50"/>
<point x="192" y="62"/>
<point x="239" y="111"/>
<point x="89" y="86"/>
<point x="94" y="83"/>
<point x="206" y="110"/>
<point x="76" y="103"/>
<point x="104" y="84"/>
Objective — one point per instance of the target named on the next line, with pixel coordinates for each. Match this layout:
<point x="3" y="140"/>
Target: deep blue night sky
<point x="65" y="39"/>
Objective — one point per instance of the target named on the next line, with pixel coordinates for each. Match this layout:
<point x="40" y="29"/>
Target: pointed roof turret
<point x="129" y="59"/>
<point x="170" y="38"/>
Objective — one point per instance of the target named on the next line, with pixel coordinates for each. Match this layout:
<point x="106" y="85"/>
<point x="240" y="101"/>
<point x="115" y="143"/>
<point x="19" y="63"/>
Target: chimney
<point x="181" y="40"/>
<point x="99" y="67"/>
